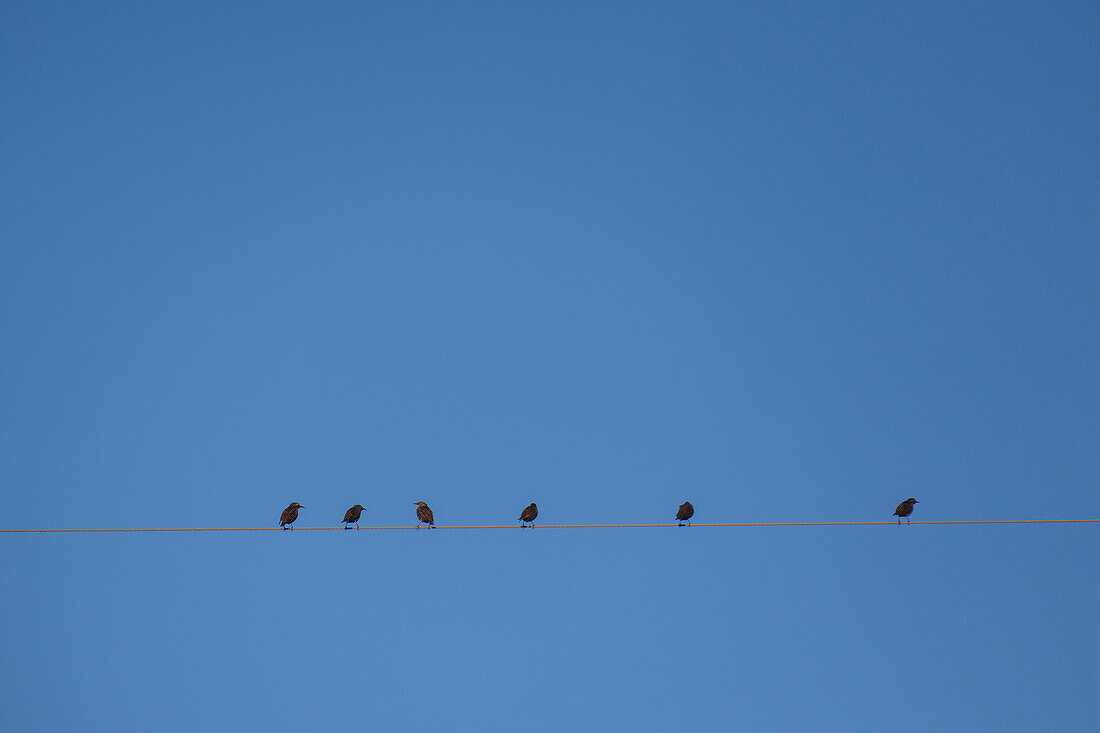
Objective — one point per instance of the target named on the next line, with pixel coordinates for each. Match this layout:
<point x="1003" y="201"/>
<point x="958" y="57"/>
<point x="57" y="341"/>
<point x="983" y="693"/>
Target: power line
<point x="556" y="526"/>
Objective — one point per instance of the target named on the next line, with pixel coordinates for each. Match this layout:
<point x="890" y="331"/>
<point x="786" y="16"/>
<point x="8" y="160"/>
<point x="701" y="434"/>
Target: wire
<point x="562" y="526"/>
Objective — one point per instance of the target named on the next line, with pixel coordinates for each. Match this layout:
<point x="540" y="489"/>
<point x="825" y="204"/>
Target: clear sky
<point x="790" y="261"/>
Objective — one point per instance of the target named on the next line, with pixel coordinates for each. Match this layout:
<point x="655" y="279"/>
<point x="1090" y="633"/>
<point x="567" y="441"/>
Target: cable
<point x="562" y="526"/>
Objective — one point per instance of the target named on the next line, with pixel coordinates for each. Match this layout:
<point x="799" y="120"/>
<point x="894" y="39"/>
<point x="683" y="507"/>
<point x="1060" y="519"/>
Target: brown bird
<point x="351" y="516"/>
<point x="424" y="515"/>
<point x="685" y="513"/>
<point x="905" y="509"/>
<point x="529" y="514"/>
<point x="290" y="515"/>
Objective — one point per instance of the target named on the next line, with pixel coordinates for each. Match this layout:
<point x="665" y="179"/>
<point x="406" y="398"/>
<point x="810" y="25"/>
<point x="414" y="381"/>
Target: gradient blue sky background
<point x="791" y="261"/>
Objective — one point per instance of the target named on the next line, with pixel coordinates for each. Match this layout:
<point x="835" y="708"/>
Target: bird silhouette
<point x="351" y="516"/>
<point x="424" y="515"/>
<point x="905" y="509"/>
<point x="529" y="514"/>
<point x="685" y="513"/>
<point x="290" y="515"/>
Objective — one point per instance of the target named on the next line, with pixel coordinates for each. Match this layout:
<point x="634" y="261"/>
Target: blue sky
<point x="790" y="261"/>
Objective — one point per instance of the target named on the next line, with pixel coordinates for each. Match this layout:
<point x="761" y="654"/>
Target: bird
<point x="685" y="513"/>
<point x="905" y="509"/>
<point x="351" y="516"/>
<point x="424" y="515"/>
<point x="290" y="515"/>
<point x="528" y="514"/>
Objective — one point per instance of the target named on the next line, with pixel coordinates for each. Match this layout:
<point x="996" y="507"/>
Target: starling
<point x="685" y="513"/>
<point x="424" y="515"/>
<point x="905" y="509"/>
<point x="528" y="514"/>
<point x="351" y="516"/>
<point x="290" y="514"/>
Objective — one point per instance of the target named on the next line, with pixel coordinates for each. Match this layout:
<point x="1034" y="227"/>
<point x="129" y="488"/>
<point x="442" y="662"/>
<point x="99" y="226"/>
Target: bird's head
<point x="911" y="500"/>
<point x="421" y="503"/>
<point x="295" y="505"/>
<point x="360" y="507"/>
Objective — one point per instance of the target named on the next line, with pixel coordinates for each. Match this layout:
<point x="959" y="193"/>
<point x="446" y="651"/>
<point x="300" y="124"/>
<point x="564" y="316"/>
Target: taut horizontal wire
<point x="564" y="526"/>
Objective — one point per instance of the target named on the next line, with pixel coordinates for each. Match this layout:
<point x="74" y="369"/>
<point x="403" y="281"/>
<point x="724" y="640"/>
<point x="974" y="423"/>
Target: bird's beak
<point x="916" y="502"/>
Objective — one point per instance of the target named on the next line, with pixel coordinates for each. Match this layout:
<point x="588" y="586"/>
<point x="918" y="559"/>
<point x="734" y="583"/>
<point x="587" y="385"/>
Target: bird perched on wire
<point x="529" y="514"/>
<point x="351" y="516"/>
<point x="905" y="509"/>
<point x="685" y="513"/>
<point x="424" y="515"/>
<point x="290" y="515"/>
